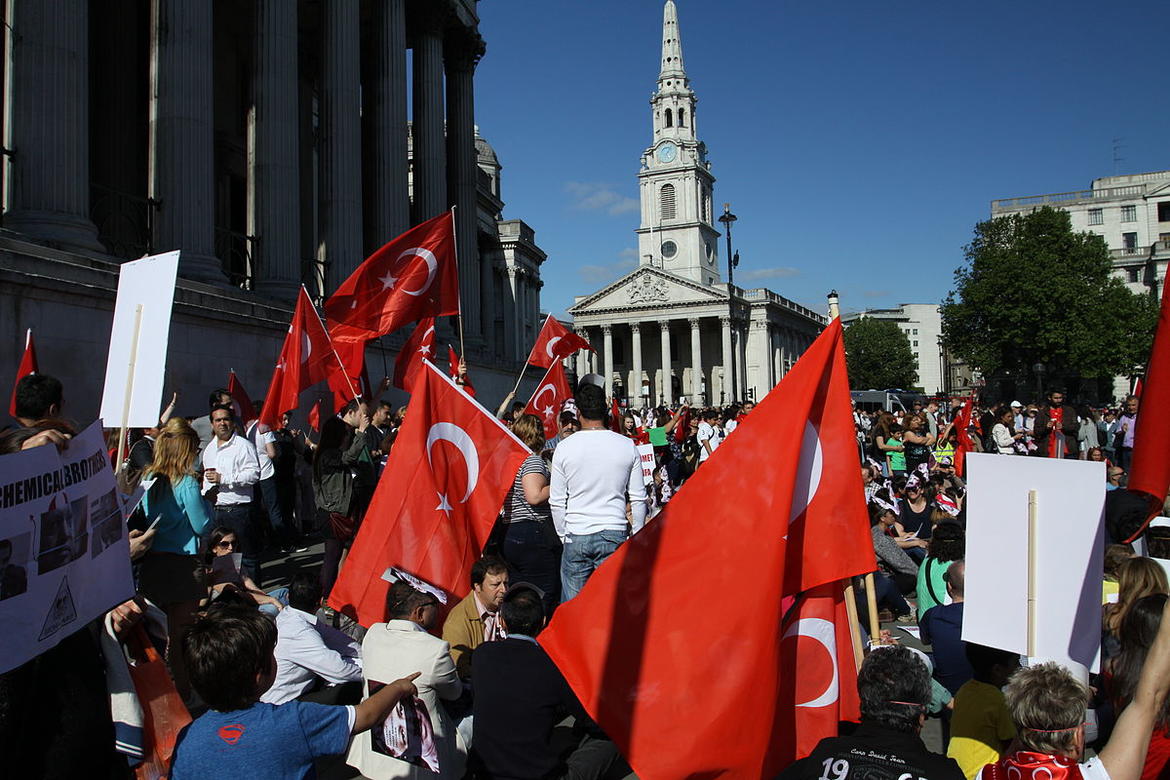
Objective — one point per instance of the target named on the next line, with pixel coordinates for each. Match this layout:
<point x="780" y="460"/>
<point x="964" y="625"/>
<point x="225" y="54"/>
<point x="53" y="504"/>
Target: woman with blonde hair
<point x="1136" y="578"/>
<point x="531" y="547"/>
<point x="170" y="572"/>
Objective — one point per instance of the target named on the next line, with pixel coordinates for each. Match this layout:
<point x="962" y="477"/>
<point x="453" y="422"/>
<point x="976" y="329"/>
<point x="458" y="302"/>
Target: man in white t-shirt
<point x="595" y="473"/>
<point x="708" y="435"/>
<point x="264" y="440"/>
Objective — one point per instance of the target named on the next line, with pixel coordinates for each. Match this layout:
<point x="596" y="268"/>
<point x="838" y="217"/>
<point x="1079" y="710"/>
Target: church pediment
<point x="647" y="288"/>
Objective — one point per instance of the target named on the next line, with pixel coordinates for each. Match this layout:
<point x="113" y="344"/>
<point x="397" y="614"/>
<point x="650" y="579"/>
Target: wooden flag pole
<point x="129" y="388"/>
<point x="875" y="629"/>
<point x="1032" y="502"/>
<point x="459" y="315"/>
<point x="854" y="628"/>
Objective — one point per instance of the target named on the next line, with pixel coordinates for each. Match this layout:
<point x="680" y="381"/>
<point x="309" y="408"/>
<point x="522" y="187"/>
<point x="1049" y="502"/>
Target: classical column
<point x="48" y="122"/>
<point x="520" y="348"/>
<point x="583" y="355"/>
<point x="274" y="215"/>
<point x="667" y="390"/>
<point x="384" y="95"/>
<point x="741" y="358"/>
<point x="636" y="353"/>
<point x="341" y="138"/>
<point x="182" y="151"/>
<point x="725" y="383"/>
<point x="776" y="367"/>
<point x="607" y="334"/>
<point x="696" y="363"/>
<point x="461" y="57"/>
<point x="429" y="160"/>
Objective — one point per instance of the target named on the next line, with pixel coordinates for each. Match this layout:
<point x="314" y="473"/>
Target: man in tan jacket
<point x="475" y="620"/>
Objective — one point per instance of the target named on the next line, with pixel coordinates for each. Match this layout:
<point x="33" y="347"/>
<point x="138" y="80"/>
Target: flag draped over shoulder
<point x="28" y="365"/>
<point x="963" y="442"/>
<point x="777" y="510"/>
<point x="549" y="398"/>
<point x="553" y="343"/>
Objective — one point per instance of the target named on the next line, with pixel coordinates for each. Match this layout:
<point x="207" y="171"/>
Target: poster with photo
<point x="64" y="552"/>
<point x="406" y="733"/>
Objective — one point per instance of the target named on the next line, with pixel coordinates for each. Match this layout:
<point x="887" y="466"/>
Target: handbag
<point x="164" y="714"/>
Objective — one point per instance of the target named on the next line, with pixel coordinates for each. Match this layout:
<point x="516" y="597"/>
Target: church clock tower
<point x="677" y="233"/>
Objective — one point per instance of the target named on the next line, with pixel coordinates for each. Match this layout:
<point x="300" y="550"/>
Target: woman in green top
<point x="947" y="544"/>
<point x="895" y="452"/>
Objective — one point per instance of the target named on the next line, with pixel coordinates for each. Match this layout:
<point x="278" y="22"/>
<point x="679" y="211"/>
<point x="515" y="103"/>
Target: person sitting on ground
<point x="38" y="397"/>
<point x="981" y="726"/>
<point x="895" y="690"/>
<point x="1123" y="670"/>
<point x="893" y="561"/>
<point x="314" y="661"/>
<point x="520" y="696"/>
<point x="1136" y="578"/>
<point x="1115" y="555"/>
<point x="942" y="629"/>
<point x="230" y="655"/>
<point x="225" y="572"/>
<point x="403" y="643"/>
<point x="947" y="544"/>
<point x="1048" y="705"/>
<point x="475" y="619"/>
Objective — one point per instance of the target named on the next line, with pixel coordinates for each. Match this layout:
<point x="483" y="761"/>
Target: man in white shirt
<point x="708" y="435"/>
<point x="314" y="661"/>
<point x="230" y="473"/>
<point x="594" y="471"/>
<point x="264" y="440"/>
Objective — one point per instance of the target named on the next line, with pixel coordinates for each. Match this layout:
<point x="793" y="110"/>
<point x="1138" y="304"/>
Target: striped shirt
<point x="516" y="507"/>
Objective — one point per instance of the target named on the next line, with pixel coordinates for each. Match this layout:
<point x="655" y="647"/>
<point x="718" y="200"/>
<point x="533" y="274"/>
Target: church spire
<point x="672" y="61"/>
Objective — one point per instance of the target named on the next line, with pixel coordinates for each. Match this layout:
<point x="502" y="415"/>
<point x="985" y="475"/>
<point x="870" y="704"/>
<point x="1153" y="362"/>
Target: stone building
<point x="672" y="328"/>
<point x="922" y="324"/>
<point x="275" y="143"/>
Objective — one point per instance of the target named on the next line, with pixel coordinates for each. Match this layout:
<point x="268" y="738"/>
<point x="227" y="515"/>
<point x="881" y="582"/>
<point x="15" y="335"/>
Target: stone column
<point x="511" y="325"/>
<point x="725" y="383"/>
<point x="583" y="355"/>
<point x="274" y="214"/>
<point x="607" y="335"/>
<point x="696" y="362"/>
<point x="741" y="358"/>
<point x="48" y="122"/>
<point x="636" y="361"/>
<point x="182" y="151"/>
<point x="667" y="389"/>
<point x="774" y="359"/>
<point x="341" y="138"/>
<point x="384" y="94"/>
<point x="461" y="179"/>
<point x="429" y="159"/>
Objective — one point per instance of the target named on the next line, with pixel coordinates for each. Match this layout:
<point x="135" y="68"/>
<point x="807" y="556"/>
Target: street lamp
<point x="834" y="305"/>
<point x="727" y="218"/>
<point x="1039" y="369"/>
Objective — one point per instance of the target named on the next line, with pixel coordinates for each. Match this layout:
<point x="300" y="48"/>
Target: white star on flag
<point x="444" y="505"/>
<point x="388" y="280"/>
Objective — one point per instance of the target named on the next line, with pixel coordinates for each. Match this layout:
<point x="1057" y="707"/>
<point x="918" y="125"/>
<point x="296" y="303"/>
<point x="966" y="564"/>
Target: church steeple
<point x="672" y="61"/>
<point x="673" y="102"/>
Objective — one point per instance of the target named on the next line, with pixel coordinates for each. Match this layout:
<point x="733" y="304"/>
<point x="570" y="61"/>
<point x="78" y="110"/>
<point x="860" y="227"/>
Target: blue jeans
<point x="581" y="556"/>
<point x="270" y="503"/>
<point x="533" y="551"/>
<point x="281" y="595"/>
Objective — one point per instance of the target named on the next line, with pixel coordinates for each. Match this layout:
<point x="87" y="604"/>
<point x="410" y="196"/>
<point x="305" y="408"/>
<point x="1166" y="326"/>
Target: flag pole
<point x="875" y="629"/>
<point x="129" y="388"/>
<point x="854" y="627"/>
<point x="459" y="315"/>
<point x="332" y="348"/>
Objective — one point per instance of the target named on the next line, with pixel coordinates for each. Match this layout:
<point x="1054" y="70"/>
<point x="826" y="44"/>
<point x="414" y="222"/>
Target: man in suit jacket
<point x="404" y="641"/>
<point x="520" y="695"/>
<point x="473" y="621"/>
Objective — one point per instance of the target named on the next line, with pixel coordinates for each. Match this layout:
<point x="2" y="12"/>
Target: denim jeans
<point x="270" y="504"/>
<point x="533" y="551"/>
<point x="581" y="556"/>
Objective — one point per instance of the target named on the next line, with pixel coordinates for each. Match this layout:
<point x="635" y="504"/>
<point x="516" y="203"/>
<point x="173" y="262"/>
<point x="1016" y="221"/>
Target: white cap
<point x="1017" y="404"/>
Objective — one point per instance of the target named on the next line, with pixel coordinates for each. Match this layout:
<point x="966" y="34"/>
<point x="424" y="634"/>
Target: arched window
<point x="669" y="119"/>
<point x="666" y="201"/>
<point x="682" y="117"/>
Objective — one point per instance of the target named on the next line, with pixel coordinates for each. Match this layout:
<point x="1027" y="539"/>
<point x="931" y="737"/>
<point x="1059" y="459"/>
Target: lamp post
<point x="834" y="305"/>
<point x="1039" y="369"/>
<point x="727" y="218"/>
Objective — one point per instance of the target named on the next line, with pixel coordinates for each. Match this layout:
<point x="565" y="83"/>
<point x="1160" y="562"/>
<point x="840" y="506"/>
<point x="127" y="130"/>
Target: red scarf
<point x="1055" y="441"/>
<point x="1032" y="766"/>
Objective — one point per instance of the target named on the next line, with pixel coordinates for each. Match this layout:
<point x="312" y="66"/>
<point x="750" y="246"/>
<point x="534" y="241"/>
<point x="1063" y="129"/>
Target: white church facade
<point x="672" y="329"/>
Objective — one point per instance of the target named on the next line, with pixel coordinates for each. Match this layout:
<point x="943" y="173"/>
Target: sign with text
<point x="646" y="453"/>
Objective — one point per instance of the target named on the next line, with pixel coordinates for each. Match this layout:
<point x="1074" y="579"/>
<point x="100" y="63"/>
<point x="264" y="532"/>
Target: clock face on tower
<point x="667" y="152"/>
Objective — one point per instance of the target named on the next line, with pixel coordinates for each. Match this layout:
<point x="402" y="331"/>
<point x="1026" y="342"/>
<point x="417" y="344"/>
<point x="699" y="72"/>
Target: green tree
<point x="1034" y="291"/>
<point x="878" y="356"/>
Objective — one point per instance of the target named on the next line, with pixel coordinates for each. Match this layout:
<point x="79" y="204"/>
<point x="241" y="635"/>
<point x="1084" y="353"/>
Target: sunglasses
<point x="225" y="545"/>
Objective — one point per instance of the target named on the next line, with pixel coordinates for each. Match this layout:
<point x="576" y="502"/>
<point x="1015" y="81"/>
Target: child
<point x="897" y="456"/>
<point x="229" y="655"/>
<point x="981" y="726"/>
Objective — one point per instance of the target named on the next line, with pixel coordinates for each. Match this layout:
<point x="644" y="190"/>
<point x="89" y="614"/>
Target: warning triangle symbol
<point x="61" y="611"/>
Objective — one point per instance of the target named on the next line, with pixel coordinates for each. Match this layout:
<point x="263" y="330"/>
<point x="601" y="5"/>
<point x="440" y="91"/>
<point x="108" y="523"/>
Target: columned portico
<point x="667" y="390"/>
<point x="696" y="362"/>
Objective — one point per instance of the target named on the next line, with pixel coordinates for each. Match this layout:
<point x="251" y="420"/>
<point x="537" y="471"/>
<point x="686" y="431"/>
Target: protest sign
<point x="1035" y="545"/>
<point x="136" y="366"/>
<point x="646" y="453"/>
<point x="64" y="552"/>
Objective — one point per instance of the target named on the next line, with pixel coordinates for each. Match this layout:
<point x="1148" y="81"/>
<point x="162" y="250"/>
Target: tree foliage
<point x="1034" y="291"/>
<point x="878" y="356"/>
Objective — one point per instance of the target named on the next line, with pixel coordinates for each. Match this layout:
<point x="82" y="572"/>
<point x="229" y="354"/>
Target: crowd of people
<point x="278" y="680"/>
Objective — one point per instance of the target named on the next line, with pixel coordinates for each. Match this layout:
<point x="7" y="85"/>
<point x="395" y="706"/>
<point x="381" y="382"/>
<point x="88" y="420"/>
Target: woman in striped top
<point x="531" y="546"/>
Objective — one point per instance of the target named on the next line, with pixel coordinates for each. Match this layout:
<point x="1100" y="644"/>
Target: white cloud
<point x="778" y="272"/>
<point x="608" y="272"/>
<point x="596" y="196"/>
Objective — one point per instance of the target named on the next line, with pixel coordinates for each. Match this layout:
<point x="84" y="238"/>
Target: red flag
<point x="554" y="342"/>
<point x="347" y="383"/>
<point x="420" y="346"/>
<point x="453" y="362"/>
<point x="1137" y="387"/>
<point x="682" y="428"/>
<point x="450" y="468"/>
<point x="306" y="358"/>
<point x="316" y="413"/>
<point x="411" y="277"/>
<point x="816" y="641"/>
<point x="549" y="398"/>
<point x="1150" y="472"/>
<point x="963" y="442"/>
<point x="629" y="645"/>
<point x="243" y="404"/>
<point x="615" y="416"/>
<point x="28" y="365"/>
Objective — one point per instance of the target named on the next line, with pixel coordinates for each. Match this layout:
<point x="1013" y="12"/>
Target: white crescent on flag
<point x="548" y="348"/>
<point x="432" y="267"/>
<point x="306" y="347"/>
<point x="539" y="393"/>
<point x="808" y="472"/>
<point x="445" y="431"/>
<point x="825" y="632"/>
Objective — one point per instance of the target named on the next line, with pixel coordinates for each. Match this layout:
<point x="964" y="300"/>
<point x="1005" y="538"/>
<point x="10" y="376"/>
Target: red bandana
<point x="1055" y="442"/>
<point x="1032" y="766"/>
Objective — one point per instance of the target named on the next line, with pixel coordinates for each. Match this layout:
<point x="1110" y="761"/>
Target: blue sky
<point x="858" y="142"/>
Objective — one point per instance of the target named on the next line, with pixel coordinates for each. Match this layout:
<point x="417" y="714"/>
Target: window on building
<point x="669" y="118"/>
<point x="1096" y="216"/>
<point x="1129" y="213"/>
<point x="682" y="117"/>
<point x="1164" y="236"/>
<point x="1164" y="211"/>
<point x="666" y="201"/>
<point x="915" y="331"/>
<point x="1130" y="240"/>
<point x="1131" y="275"/>
<point x="916" y="343"/>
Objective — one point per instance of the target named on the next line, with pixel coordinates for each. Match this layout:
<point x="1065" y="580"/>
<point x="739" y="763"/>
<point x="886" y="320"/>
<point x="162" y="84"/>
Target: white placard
<point x="149" y="283"/>
<point x="646" y="453"/>
<point x="64" y="550"/>
<point x="1069" y="557"/>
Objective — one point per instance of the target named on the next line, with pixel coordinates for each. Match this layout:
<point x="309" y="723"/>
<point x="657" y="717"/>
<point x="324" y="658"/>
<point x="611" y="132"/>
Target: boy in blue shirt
<point x="229" y="655"/>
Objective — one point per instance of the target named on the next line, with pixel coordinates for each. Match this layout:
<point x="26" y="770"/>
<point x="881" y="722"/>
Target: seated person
<point x="981" y="726"/>
<point x="473" y="621"/>
<point x="895" y="691"/>
<point x="400" y="643"/>
<point x="1048" y="705"/>
<point x="314" y="661"/>
<point x="942" y="629"/>
<point x="229" y="655"/>
<point x="520" y="696"/>
<point x="224" y="572"/>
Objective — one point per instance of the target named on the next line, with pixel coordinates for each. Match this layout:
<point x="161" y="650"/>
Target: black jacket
<point x="873" y="752"/>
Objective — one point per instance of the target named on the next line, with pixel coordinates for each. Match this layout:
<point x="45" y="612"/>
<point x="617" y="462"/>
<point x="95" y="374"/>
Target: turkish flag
<point x="963" y="443"/>
<point x="549" y="398"/>
<point x="347" y="383"/>
<point x="1150" y="472"/>
<point x="28" y="365"/>
<point x="615" y="416"/>
<point x="554" y="342"/>
<point x="316" y="413"/>
<point x="420" y="346"/>
<point x="411" y="277"/>
<point x="306" y="359"/>
<point x="448" y="472"/>
<point x="244" y="408"/>
<point x="453" y="364"/>
<point x="630" y="644"/>
<point x="1137" y="387"/>
<point x="818" y="686"/>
